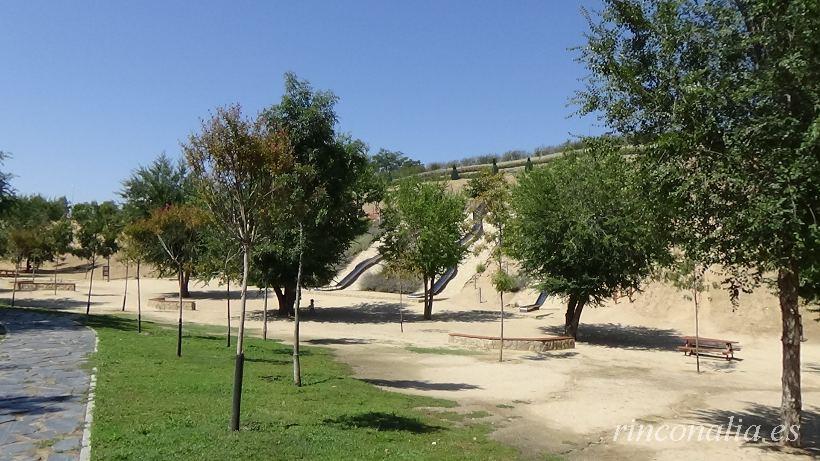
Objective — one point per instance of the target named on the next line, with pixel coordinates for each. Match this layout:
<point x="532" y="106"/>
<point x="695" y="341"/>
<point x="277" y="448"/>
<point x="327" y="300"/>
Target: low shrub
<point x="388" y="283"/>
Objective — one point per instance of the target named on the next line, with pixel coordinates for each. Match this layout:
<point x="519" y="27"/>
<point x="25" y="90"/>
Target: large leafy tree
<point x="234" y="163"/>
<point x="97" y="226"/>
<point x="423" y="227"/>
<point x="322" y="194"/>
<point x="724" y="96"/>
<point x="6" y="190"/>
<point x="162" y="184"/>
<point x="581" y="228"/>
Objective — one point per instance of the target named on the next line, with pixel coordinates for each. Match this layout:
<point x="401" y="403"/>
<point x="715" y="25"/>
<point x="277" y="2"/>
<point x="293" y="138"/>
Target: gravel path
<point x="44" y="385"/>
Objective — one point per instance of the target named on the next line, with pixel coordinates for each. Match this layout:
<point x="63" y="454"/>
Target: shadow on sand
<point x="767" y="418"/>
<point x="623" y="336"/>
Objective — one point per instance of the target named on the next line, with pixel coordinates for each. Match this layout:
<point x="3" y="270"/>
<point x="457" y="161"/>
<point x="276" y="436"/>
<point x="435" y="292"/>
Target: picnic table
<point x="707" y="346"/>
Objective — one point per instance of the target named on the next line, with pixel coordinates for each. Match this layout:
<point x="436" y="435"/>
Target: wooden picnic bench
<point x="706" y="346"/>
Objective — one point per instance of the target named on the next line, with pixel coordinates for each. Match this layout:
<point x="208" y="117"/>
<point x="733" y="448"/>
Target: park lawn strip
<point x="152" y="405"/>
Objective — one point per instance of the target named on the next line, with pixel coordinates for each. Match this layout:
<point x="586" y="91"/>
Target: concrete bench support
<point x="535" y="344"/>
<point x="166" y="304"/>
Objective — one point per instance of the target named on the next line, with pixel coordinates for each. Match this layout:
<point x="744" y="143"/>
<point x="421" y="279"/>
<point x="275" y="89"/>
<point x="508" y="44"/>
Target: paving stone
<point x="43" y="385"/>
<point x="72" y="443"/>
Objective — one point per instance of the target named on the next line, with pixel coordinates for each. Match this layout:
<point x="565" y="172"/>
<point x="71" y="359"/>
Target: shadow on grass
<point x="623" y="336"/>
<point x="383" y="422"/>
<point x="389" y="313"/>
<point x="420" y="385"/>
<point x="767" y="417"/>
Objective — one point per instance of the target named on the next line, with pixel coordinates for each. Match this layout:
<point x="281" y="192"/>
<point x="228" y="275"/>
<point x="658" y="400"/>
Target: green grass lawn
<point x="152" y="405"/>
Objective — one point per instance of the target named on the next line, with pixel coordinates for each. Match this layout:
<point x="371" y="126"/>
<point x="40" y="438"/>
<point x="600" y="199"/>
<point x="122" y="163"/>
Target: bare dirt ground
<point x="625" y="369"/>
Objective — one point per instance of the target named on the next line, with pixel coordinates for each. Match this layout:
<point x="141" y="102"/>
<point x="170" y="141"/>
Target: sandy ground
<point x="623" y="371"/>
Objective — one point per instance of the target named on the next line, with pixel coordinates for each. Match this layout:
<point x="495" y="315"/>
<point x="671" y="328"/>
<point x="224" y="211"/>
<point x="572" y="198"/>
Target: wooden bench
<point x="28" y="285"/>
<point x="706" y="346"/>
<point x="534" y="344"/>
<point x="7" y="273"/>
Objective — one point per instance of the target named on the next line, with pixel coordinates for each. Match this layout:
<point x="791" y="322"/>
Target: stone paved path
<point x="43" y="385"/>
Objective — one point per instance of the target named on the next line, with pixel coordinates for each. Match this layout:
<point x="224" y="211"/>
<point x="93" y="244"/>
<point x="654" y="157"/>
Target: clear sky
<point x="91" y="90"/>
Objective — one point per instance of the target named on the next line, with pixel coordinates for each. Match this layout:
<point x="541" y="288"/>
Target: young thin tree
<point x="178" y="229"/>
<point x="233" y="162"/>
<point x="724" y="97"/>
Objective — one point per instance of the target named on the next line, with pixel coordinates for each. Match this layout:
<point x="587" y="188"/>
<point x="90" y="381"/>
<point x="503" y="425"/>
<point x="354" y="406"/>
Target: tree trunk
<point x="401" y="306"/>
<point x="426" y="313"/>
<point x="108" y="263"/>
<point x="125" y="291"/>
<point x="791" y="402"/>
<point x="90" y="283"/>
<point x="571" y="303"/>
<point x="240" y="344"/>
<point x="183" y="279"/>
<point x="179" y="328"/>
<point x="297" y="366"/>
<point x="501" y="348"/>
<point x="286" y="296"/>
<point x="55" y="278"/>
<point x="265" y="316"/>
<point x="428" y="299"/>
<point x="139" y="300"/>
<point x="697" y="325"/>
<point x="576" y="317"/>
<point x="186" y="278"/>
<point x="228" y="301"/>
<point x="14" y="285"/>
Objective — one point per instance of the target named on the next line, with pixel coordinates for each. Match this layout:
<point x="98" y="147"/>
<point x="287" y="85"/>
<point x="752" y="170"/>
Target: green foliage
<point x="495" y="167"/>
<point x="504" y="282"/>
<point x="160" y="184"/>
<point x="34" y="229"/>
<point x="480" y="268"/>
<point x="178" y="230"/>
<point x="580" y="226"/>
<point x="323" y="189"/>
<point x="176" y="407"/>
<point x="6" y="190"/>
<point x="724" y="95"/>
<point x="393" y="164"/>
<point x="528" y="166"/>
<point x="390" y="282"/>
<point x="422" y="225"/>
<point x="97" y="226"/>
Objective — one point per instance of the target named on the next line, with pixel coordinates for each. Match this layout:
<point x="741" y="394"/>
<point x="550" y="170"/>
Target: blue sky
<point x="91" y="90"/>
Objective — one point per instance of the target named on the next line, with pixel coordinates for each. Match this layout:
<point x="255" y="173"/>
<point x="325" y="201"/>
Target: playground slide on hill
<point x="542" y="297"/>
<point x="450" y="274"/>
<point x="360" y="264"/>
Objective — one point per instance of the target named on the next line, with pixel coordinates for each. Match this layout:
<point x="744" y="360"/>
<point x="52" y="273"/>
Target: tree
<point x="581" y="228"/>
<point x="528" y="166"/>
<point x="323" y="192"/>
<point x="97" y="226"/>
<point x="503" y="283"/>
<point x="234" y="162"/>
<point x="388" y="164"/>
<point x="6" y="190"/>
<point x="178" y="228"/>
<point x="422" y="231"/>
<point x="724" y="97"/>
<point x="454" y="173"/>
<point x="161" y="184"/>
<point x="220" y="260"/>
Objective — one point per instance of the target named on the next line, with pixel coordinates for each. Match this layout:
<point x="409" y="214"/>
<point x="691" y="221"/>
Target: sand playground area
<point x="625" y="369"/>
